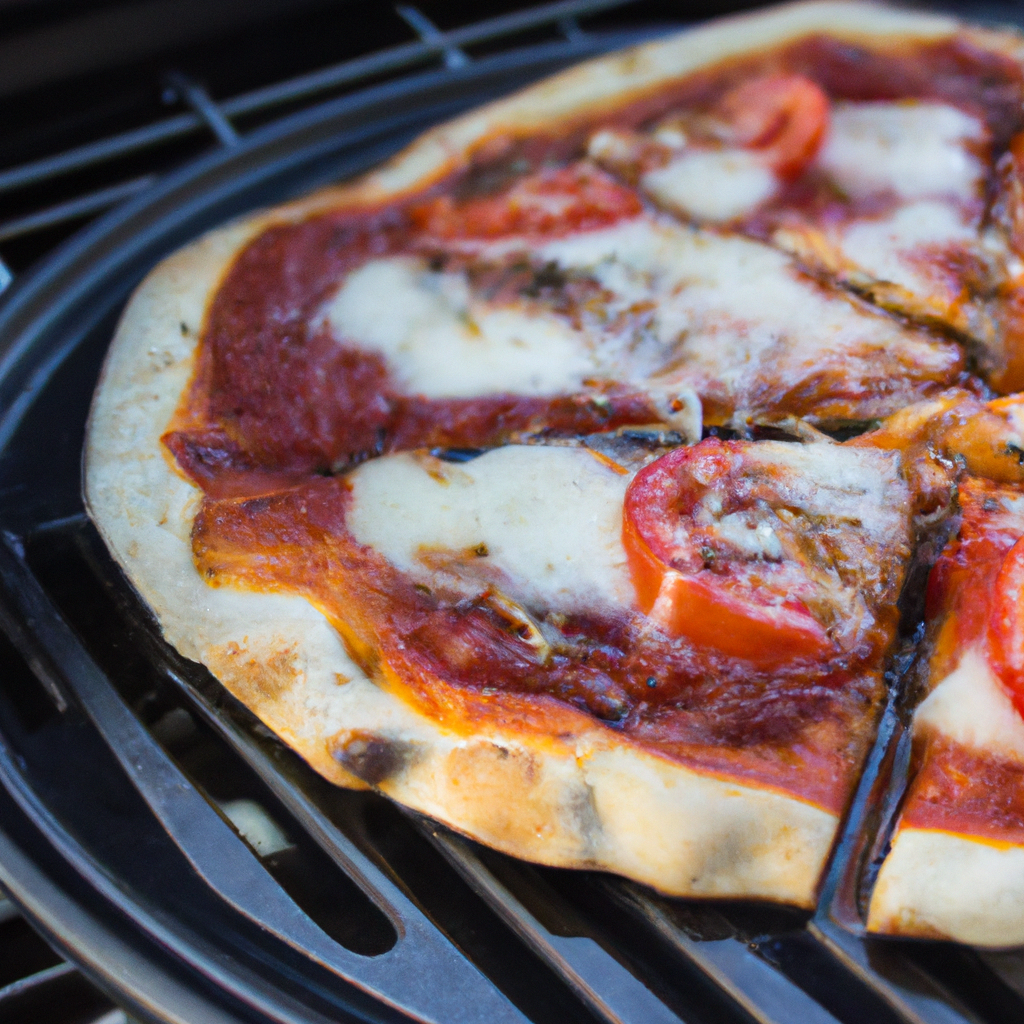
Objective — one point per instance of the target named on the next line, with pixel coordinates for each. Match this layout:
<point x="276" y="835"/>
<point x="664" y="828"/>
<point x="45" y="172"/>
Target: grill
<point x="156" y="834"/>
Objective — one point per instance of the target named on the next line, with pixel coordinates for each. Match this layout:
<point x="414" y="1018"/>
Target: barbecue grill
<point x="187" y="865"/>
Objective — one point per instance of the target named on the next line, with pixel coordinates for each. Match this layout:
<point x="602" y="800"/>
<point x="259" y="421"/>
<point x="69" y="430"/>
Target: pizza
<point x="570" y="477"/>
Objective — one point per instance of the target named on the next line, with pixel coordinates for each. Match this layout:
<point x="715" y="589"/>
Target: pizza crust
<point x="586" y="799"/>
<point x="939" y="885"/>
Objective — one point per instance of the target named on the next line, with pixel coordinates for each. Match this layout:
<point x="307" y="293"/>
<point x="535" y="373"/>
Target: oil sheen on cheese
<point x="706" y="328"/>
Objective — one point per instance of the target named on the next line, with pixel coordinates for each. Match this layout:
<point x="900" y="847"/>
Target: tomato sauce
<point x="276" y="398"/>
<point x="279" y="409"/>
<point x="967" y="792"/>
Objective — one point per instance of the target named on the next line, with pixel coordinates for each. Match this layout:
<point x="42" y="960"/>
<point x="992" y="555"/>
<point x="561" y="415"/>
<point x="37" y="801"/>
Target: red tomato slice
<point x="785" y="117"/>
<point x="548" y="203"/>
<point x="1006" y="625"/>
<point x="693" y="581"/>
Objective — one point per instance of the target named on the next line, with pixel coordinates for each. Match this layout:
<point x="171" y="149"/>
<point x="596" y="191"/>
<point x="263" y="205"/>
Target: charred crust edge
<point x="371" y="757"/>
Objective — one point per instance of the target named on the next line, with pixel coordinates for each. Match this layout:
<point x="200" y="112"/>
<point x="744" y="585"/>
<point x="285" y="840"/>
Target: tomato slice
<point x="1006" y="625"/>
<point x="785" y="117"/>
<point x="706" y="561"/>
<point x="548" y="203"/>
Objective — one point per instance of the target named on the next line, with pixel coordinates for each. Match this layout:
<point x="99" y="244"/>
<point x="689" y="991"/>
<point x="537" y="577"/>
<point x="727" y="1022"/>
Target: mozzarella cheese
<point x="912" y="149"/>
<point x="853" y="485"/>
<point x="729" y="309"/>
<point x="971" y="708"/>
<point x="712" y="184"/>
<point x="683" y="310"/>
<point x="543" y="524"/>
<point x="896" y="248"/>
<point x="441" y="341"/>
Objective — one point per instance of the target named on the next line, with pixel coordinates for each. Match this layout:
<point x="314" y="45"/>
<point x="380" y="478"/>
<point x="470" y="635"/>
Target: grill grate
<point x="216" y="118"/>
<point x="156" y="832"/>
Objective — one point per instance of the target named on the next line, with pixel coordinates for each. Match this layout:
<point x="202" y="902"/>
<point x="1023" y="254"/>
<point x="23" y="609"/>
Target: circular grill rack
<point x="123" y="767"/>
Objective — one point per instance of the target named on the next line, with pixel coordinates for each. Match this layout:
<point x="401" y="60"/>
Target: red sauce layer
<point x="276" y="398"/>
<point x="277" y="407"/>
<point x="966" y="792"/>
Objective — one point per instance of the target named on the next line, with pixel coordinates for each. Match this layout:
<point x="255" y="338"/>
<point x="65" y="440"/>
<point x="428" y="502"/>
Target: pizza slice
<point x="715" y="624"/>
<point x="955" y="868"/>
<point x="657" y="302"/>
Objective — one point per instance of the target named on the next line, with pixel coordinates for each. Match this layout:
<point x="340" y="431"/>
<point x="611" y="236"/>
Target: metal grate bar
<point x="83" y="206"/>
<point x="199" y="100"/>
<point x="40" y="979"/>
<point x="8" y="911"/>
<point x="96" y="152"/>
<point x="303" y="86"/>
<point x="608" y="988"/>
<point x="570" y="28"/>
<point x="409" y="53"/>
<point x="430" y="33"/>
<point x="6" y="277"/>
<point x="430" y="981"/>
<point x="766" y="994"/>
<point x="912" y="993"/>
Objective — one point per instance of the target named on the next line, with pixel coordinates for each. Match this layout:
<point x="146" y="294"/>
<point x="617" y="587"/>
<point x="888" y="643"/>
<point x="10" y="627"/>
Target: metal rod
<point x="8" y="911"/>
<point x="91" y="202"/>
<point x="96" y="152"/>
<point x="612" y="992"/>
<point x="570" y="28"/>
<point x="392" y="59"/>
<point x="430" y="33"/>
<point x="199" y="100"/>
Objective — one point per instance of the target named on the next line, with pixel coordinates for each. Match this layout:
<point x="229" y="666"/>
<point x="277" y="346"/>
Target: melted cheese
<point x="853" y="485"/>
<point x="548" y="522"/>
<point x="712" y="184"/>
<point x="912" y="149"/>
<point x="971" y="708"/>
<point x="442" y="342"/>
<point x="683" y="310"/>
<point x="898" y="248"/>
<point x="728" y="308"/>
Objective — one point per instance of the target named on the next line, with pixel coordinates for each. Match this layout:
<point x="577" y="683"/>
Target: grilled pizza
<point x="560" y="479"/>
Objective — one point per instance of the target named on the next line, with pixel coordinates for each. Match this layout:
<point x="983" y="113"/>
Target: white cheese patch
<point x="851" y="484"/>
<point x="913" y="149"/>
<point x="549" y="520"/>
<point x="971" y="708"/>
<point x="752" y="540"/>
<point x="442" y="342"/>
<point x="895" y="248"/>
<point x="728" y="308"/>
<point x="712" y="184"/>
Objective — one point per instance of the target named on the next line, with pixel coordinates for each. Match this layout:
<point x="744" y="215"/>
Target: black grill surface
<point x="128" y="775"/>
